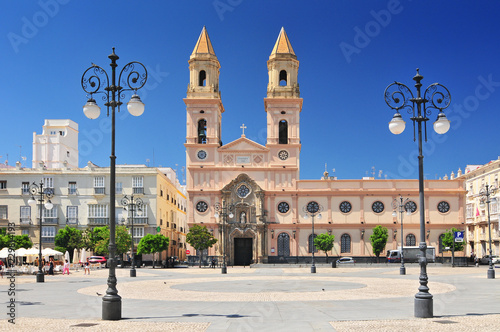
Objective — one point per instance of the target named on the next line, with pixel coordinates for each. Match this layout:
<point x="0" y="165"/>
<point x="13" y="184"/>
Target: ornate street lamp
<point x="398" y="205"/>
<point x="485" y="194"/>
<point x="312" y="209"/>
<point x="223" y="210"/>
<point x="95" y="80"/>
<point x="398" y="96"/>
<point x="134" y="206"/>
<point x="46" y="193"/>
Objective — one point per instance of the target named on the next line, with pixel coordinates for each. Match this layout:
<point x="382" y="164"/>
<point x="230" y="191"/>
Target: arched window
<point x="345" y="243"/>
<point x="202" y="131"/>
<point x="411" y="240"/>
<point x="283" y="132"/>
<point x="311" y="244"/>
<point x="202" y="78"/>
<point x="283" y="245"/>
<point x="283" y="78"/>
<point x="441" y="246"/>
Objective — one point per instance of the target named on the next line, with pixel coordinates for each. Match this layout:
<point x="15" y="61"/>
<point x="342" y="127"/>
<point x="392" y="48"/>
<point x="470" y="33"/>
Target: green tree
<point x="449" y="238"/>
<point x="68" y="239"/>
<point x="123" y="240"/>
<point x="200" y="238"/>
<point x="4" y="238"/>
<point x="324" y="242"/>
<point x="23" y="241"/>
<point x="151" y="244"/>
<point x="379" y="240"/>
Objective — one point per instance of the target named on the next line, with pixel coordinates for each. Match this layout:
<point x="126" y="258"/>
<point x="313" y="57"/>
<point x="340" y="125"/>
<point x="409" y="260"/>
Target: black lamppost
<point x="312" y="209"/>
<point x="400" y="205"/>
<point x="134" y="204"/>
<point x="436" y="96"/>
<point x="95" y="80"/>
<point x="485" y="194"/>
<point x="223" y="210"/>
<point x="48" y="193"/>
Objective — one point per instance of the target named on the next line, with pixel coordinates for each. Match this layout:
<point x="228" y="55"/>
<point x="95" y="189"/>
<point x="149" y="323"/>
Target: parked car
<point x="346" y="260"/>
<point x="486" y="259"/>
<point x="97" y="259"/>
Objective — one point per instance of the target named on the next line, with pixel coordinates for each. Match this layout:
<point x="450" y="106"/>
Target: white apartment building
<point x="476" y="214"/>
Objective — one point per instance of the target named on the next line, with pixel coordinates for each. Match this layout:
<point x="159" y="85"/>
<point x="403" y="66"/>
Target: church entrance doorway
<point x="242" y="251"/>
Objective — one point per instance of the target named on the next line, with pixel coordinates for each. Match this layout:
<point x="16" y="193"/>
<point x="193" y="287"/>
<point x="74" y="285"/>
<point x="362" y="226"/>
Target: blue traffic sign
<point x="459" y="236"/>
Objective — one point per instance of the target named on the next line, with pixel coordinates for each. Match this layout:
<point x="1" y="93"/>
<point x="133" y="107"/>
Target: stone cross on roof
<point x="243" y="127"/>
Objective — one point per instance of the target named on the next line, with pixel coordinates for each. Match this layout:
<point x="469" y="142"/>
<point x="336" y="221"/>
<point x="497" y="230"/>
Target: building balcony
<point x="98" y="221"/>
<point x="71" y="221"/>
<point x="25" y="222"/>
<point x="138" y="190"/>
<point x="140" y="220"/>
<point x="48" y="221"/>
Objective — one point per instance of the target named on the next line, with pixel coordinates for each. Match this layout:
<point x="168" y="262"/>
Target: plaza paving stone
<point x="280" y="298"/>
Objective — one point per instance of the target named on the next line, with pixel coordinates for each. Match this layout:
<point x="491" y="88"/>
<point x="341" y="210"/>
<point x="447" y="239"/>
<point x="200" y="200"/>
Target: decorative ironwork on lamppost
<point x="134" y="206"/>
<point x="401" y="205"/>
<point x="312" y="209"/>
<point x="95" y="80"/>
<point x="223" y="210"/>
<point x="398" y="96"/>
<point x="485" y="194"/>
<point x="47" y="193"/>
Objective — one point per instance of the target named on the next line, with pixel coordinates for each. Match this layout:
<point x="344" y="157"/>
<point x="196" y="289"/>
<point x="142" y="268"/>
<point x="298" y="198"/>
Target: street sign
<point x="158" y="229"/>
<point x="459" y="236"/>
<point x="188" y="252"/>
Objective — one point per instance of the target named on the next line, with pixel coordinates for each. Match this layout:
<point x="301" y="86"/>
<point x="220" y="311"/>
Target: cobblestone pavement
<point x="371" y="297"/>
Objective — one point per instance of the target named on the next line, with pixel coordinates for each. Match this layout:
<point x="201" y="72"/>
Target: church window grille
<point x="283" y="132"/>
<point x="345" y="243"/>
<point x="202" y="78"/>
<point x="283" y="245"/>
<point x="411" y="240"/>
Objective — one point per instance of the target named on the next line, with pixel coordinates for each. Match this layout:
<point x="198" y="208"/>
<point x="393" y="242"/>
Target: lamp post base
<point x="112" y="308"/>
<point x="41" y="278"/>
<point x="424" y="308"/>
<point x="132" y="273"/>
<point x="491" y="273"/>
<point x="223" y="270"/>
<point x="402" y="270"/>
<point x="313" y="269"/>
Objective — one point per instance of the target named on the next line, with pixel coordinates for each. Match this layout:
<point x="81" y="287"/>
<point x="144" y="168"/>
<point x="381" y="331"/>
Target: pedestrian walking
<point x="66" y="267"/>
<point x="87" y="267"/>
<point x="51" y="266"/>
<point x="1" y="267"/>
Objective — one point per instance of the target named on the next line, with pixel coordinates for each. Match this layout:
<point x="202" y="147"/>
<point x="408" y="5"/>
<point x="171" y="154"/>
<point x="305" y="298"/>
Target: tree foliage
<point x="324" y="242"/>
<point x="151" y="244"/>
<point x="23" y="241"/>
<point x="379" y="239"/>
<point x="449" y="238"/>
<point x="68" y="239"/>
<point x="123" y="240"/>
<point x="200" y="238"/>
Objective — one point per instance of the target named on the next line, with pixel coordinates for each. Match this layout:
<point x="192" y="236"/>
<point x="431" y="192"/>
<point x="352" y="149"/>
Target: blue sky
<point x="349" y="51"/>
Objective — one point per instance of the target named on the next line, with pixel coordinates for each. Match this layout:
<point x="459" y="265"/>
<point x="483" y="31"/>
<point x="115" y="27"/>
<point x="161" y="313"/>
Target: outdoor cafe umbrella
<point x="76" y="256"/>
<point x="4" y="253"/>
<point x="30" y="253"/>
<point x="66" y="256"/>
<point x="83" y="256"/>
<point x="51" y="252"/>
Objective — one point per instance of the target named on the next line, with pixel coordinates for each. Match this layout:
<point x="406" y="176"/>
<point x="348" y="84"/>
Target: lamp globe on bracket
<point x="135" y="106"/>
<point x="397" y="124"/>
<point x="442" y="124"/>
<point x="91" y="109"/>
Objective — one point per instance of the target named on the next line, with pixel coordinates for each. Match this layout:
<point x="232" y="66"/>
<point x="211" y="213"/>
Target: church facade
<point x="250" y="195"/>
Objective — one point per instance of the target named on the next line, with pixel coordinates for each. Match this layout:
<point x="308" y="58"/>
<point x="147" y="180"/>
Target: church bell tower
<point x="283" y="105"/>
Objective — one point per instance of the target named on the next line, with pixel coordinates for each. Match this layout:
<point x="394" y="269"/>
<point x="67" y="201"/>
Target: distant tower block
<point x="57" y="145"/>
